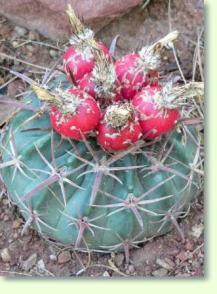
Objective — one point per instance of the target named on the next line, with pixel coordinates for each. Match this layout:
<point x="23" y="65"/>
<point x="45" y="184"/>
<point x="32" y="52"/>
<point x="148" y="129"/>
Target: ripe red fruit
<point x="132" y="75"/>
<point x="119" y="127"/>
<point x="77" y="115"/>
<point x="87" y="84"/>
<point x="154" y="118"/>
<point x="79" y="60"/>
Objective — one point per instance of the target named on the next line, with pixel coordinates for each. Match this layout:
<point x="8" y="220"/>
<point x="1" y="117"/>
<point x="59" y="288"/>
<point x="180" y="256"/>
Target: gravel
<point x="64" y="257"/>
<point x="30" y="262"/>
<point x="5" y="255"/>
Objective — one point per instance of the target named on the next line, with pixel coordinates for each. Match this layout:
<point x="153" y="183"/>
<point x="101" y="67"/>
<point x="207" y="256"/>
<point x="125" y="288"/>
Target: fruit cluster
<point x="118" y="101"/>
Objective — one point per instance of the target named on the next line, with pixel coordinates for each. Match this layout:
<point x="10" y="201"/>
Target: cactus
<point x="76" y="193"/>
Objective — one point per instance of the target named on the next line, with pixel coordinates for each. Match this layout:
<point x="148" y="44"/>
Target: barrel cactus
<point x="76" y="193"/>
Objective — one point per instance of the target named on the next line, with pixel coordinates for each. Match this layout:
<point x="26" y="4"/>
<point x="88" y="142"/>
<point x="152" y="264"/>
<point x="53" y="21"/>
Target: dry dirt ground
<point x="31" y="255"/>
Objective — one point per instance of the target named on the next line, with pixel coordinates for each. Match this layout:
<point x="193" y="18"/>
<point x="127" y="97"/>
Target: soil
<point x="30" y="254"/>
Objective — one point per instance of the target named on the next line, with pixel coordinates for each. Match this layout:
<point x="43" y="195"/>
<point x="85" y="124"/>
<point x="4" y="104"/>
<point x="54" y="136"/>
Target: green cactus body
<point x="78" y="194"/>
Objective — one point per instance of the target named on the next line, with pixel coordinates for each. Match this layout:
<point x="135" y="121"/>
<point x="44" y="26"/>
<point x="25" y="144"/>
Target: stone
<point x="6" y="218"/>
<point x="5" y="202"/>
<point x="164" y="264"/>
<point x="15" y="236"/>
<point x="183" y="256"/>
<point x="15" y="43"/>
<point x="17" y="223"/>
<point x="48" y="17"/>
<point x="161" y="272"/>
<point x="53" y="257"/>
<point x="30" y="262"/>
<point x="53" y="53"/>
<point x="20" y="31"/>
<point x="41" y="266"/>
<point x="119" y="259"/>
<point x="151" y="251"/>
<point x="5" y="255"/>
<point x="33" y="36"/>
<point x="147" y="270"/>
<point x="64" y="257"/>
<point x="30" y="48"/>
<point x="106" y="274"/>
<point x="189" y="245"/>
<point x="131" y="269"/>
<point x="197" y="230"/>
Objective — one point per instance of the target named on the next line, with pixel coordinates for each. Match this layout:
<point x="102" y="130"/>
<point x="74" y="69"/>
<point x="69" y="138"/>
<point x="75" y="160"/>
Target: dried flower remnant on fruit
<point x="66" y="102"/>
<point x="80" y="33"/>
<point x="151" y="55"/>
<point x="78" y="59"/>
<point x="104" y="76"/>
<point x="148" y="59"/>
<point x="70" y="101"/>
<point x="171" y="97"/>
<point x="118" y="115"/>
<point x="43" y="94"/>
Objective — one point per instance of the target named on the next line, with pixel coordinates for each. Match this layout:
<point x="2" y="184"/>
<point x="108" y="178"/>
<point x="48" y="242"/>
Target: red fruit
<point x="119" y="128"/>
<point x="154" y="118"/>
<point x="80" y="60"/>
<point x="87" y="84"/>
<point x="79" y="114"/>
<point x="132" y="76"/>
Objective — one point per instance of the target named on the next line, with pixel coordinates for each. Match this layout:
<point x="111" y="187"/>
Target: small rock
<point x="197" y="230"/>
<point x="106" y="274"/>
<point x="7" y="266"/>
<point x="16" y="224"/>
<point x="6" y="218"/>
<point x="164" y="264"/>
<point x="15" y="43"/>
<point x="15" y="236"/>
<point x="64" y="257"/>
<point x="119" y="259"/>
<point x="189" y="245"/>
<point x="53" y="53"/>
<point x="183" y="275"/>
<point x="33" y="35"/>
<point x="53" y="257"/>
<point x="30" y="262"/>
<point x="13" y="247"/>
<point x="183" y="256"/>
<point x="161" y="272"/>
<point x="30" y="48"/>
<point x="131" y="269"/>
<point x="20" y="31"/>
<point x="5" y="202"/>
<point x="5" y="255"/>
<point x="147" y="270"/>
<point x="41" y="266"/>
<point x="13" y="89"/>
<point x="170" y="262"/>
